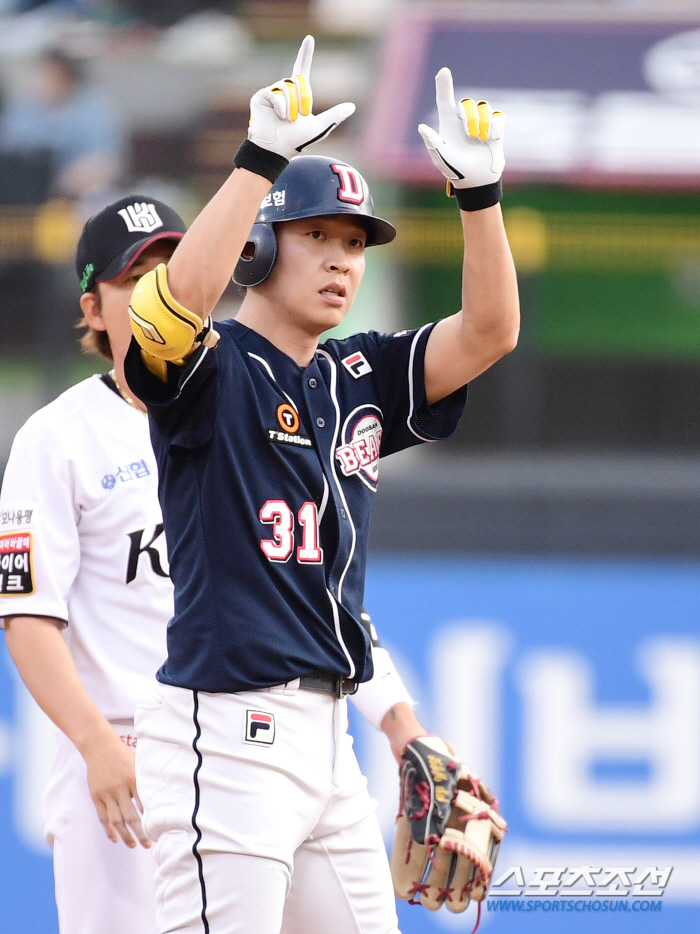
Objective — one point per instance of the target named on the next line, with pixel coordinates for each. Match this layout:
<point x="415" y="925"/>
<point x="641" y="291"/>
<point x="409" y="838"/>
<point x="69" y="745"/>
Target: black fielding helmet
<point x="310" y="186"/>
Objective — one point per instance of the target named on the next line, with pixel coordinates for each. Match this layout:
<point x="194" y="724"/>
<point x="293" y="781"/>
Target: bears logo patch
<point x="361" y="445"/>
<point x="16" y="577"/>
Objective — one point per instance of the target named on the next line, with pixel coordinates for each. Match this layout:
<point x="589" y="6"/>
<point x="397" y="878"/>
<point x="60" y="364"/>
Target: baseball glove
<point x="448" y="831"/>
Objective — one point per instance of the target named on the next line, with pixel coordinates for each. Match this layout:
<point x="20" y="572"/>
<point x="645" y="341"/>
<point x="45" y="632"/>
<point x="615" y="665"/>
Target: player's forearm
<point x="461" y="347"/>
<point x="39" y="651"/>
<point x="490" y="316"/>
<point x="401" y="725"/>
<point x="203" y="263"/>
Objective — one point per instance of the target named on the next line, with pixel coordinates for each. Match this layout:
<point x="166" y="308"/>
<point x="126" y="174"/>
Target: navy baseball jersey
<point x="267" y="473"/>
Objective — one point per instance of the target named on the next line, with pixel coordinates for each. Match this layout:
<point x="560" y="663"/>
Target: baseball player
<point x="81" y="547"/>
<point x="84" y="587"/>
<point x="267" y="446"/>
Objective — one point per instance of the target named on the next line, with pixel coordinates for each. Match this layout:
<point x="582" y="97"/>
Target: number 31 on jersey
<point x="279" y="548"/>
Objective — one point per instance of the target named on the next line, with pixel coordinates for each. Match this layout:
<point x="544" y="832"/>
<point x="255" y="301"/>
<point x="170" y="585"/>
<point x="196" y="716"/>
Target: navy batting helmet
<point x="310" y="186"/>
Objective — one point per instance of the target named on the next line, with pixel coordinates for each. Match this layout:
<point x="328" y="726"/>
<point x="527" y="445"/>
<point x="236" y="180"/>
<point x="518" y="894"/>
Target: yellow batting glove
<point x="468" y="146"/>
<point x="478" y="118"/>
<point x="281" y="118"/>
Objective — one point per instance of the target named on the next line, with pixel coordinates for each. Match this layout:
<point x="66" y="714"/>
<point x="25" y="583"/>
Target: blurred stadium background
<point x="538" y="576"/>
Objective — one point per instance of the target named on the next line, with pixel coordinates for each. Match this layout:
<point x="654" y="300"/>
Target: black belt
<point x="331" y="684"/>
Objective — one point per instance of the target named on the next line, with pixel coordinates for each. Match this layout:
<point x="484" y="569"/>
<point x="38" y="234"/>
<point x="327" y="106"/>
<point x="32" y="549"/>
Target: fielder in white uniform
<point x="85" y="594"/>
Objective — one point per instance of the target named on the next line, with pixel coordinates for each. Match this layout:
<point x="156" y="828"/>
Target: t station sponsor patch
<point x="288" y="431"/>
<point x="16" y="564"/>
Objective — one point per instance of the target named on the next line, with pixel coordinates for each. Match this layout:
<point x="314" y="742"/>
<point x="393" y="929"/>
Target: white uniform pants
<point x="101" y="887"/>
<point x="262" y="818"/>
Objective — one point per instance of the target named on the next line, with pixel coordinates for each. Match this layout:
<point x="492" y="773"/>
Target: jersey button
<point x="313" y="382"/>
<point x="343" y="514"/>
<point x="321" y="422"/>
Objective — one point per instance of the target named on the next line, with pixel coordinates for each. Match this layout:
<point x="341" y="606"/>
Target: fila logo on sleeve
<point x="357" y="364"/>
<point x="140" y="217"/>
<point x="259" y="727"/>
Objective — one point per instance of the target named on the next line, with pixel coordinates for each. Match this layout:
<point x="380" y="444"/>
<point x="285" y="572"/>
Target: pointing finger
<point x="302" y="65"/>
<point x="444" y="93"/>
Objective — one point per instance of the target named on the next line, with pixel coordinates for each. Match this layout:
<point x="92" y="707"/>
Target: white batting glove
<point x="468" y="149"/>
<point x="281" y="120"/>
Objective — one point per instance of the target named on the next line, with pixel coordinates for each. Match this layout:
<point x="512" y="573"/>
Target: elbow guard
<point x="162" y="327"/>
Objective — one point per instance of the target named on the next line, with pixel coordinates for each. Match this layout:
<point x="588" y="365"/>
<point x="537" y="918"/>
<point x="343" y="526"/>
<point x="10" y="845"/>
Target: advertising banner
<point x="571" y="687"/>
<point x="590" y="101"/>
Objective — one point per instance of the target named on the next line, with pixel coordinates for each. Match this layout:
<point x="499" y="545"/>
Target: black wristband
<point x="260" y="161"/>
<point x="476" y="199"/>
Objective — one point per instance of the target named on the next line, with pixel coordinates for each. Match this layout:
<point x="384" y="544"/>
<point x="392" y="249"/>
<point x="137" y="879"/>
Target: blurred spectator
<point x="63" y="113"/>
<point x="25" y="6"/>
<point x="167" y="12"/>
<point x="154" y="12"/>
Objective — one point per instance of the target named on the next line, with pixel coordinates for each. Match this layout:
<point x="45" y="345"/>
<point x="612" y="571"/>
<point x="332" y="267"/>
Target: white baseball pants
<point x="101" y="887"/>
<point x="261" y="817"/>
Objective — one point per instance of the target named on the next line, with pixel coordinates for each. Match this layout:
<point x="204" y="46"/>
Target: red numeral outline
<point x="309" y="552"/>
<point x="277" y="513"/>
<point x="279" y="548"/>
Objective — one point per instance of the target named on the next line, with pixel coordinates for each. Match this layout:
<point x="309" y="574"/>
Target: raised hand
<point x="281" y="118"/>
<point x="468" y="147"/>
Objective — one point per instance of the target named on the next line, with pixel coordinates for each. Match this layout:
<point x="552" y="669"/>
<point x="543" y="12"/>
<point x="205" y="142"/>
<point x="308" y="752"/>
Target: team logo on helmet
<point x="361" y="444"/>
<point x="140" y="217"/>
<point x="351" y="186"/>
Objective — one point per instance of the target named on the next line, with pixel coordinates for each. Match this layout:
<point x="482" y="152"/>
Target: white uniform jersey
<point x="81" y="540"/>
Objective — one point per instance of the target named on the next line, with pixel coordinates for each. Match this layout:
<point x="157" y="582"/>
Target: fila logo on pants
<point x="259" y="727"/>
